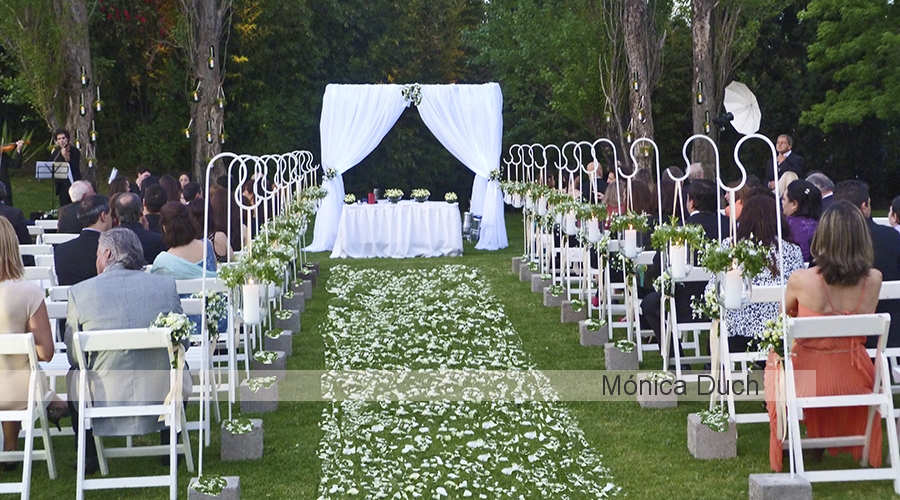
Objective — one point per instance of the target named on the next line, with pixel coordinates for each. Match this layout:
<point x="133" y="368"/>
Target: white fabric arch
<point x="466" y="119"/>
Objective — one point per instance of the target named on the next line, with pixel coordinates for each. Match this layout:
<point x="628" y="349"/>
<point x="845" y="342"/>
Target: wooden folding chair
<point x="880" y="398"/>
<point x="19" y="344"/>
<point x="128" y="340"/>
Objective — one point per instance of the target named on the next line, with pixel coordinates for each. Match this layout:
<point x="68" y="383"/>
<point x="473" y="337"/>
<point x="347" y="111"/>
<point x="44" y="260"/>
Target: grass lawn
<point x="645" y="450"/>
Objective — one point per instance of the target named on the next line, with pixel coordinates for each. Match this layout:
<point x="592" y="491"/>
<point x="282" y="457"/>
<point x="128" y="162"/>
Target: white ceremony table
<point x="404" y="229"/>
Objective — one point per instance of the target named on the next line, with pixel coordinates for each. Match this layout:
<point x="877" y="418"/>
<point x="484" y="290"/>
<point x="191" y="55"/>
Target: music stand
<point x="58" y="170"/>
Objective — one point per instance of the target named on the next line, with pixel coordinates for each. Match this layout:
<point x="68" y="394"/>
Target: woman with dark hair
<point x="802" y="204"/>
<point x="665" y="194"/>
<point x="219" y="240"/>
<point x="172" y="187"/>
<point x="184" y="258"/>
<point x="843" y="282"/>
<point x="118" y="185"/>
<point x="184" y="178"/>
<point x="758" y="223"/>
<point x="220" y="204"/>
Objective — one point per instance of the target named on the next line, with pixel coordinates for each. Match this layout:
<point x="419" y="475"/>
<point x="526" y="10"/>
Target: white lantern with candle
<point x="678" y="260"/>
<point x="733" y="288"/>
<point x="569" y="226"/>
<point x="542" y="206"/>
<point x="250" y="294"/>
<point x="593" y="230"/>
<point x="629" y="246"/>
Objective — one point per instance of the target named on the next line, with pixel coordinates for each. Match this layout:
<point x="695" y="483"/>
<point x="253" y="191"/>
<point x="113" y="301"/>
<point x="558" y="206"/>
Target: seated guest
<point x="220" y="204"/>
<point x="184" y="179"/>
<point x="802" y="204"/>
<point x="826" y="187"/>
<point x="22" y="309"/>
<point x="118" y="185"/>
<point x="190" y="191"/>
<point x="154" y="199"/>
<point x="17" y="219"/>
<point x="128" y="211"/>
<point x="122" y="296"/>
<point x="843" y="282"/>
<point x="172" y="187"/>
<point x="758" y="222"/>
<point x="894" y="213"/>
<point x="68" y="214"/>
<point x="219" y="240"/>
<point x="73" y="259"/>
<point x="184" y="259"/>
<point x="139" y="185"/>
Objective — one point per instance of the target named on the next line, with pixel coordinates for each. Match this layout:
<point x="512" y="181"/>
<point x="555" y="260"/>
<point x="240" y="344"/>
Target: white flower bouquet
<point x="421" y="194"/>
<point x="393" y="193"/>
<point x="350" y="199"/>
<point x="181" y="329"/>
<point x="450" y="197"/>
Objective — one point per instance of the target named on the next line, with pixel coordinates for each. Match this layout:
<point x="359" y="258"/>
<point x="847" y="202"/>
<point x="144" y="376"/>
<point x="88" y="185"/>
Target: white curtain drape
<point x="355" y="118"/>
<point x="468" y="121"/>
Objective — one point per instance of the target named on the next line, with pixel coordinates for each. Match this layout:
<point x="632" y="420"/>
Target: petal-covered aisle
<point x="444" y="318"/>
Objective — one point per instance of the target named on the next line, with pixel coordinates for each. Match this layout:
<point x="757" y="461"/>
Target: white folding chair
<point x="57" y="238"/>
<point x="35" y="232"/>
<point x="679" y="329"/>
<point x="22" y="344"/>
<point x="44" y="276"/>
<point x="128" y="340"/>
<point x="879" y="398"/>
<point x="48" y="225"/>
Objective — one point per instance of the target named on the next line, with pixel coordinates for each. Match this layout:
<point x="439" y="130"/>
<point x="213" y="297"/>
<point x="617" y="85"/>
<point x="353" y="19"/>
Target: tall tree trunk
<point x="207" y="17"/>
<point x="705" y="108"/>
<point x="80" y="86"/>
<point x="638" y="32"/>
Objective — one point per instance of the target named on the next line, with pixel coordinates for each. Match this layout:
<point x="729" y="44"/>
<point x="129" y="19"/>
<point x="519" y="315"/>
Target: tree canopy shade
<point x="857" y="48"/>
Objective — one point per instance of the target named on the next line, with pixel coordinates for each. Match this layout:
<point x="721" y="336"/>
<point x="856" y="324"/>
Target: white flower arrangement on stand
<point x="393" y="194"/>
<point x="350" y="199"/>
<point x="421" y="195"/>
<point x="451" y="197"/>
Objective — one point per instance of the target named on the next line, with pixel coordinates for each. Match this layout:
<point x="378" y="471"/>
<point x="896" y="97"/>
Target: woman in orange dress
<point x="843" y="282"/>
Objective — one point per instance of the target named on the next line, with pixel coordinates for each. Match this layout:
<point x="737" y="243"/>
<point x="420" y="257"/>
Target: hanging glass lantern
<point x="91" y="163"/>
<point x="84" y="78"/>
<point x="634" y="82"/>
<point x="187" y="131"/>
<point x="733" y="289"/>
<point x="209" y="136"/>
<point x="706" y="124"/>
<point x="631" y="242"/>
<point x="680" y="260"/>
<point x="77" y="140"/>
<point x="629" y="136"/>
<point x="699" y="92"/>
<point x="93" y="132"/>
<point x="97" y="104"/>
<point x="211" y="61"/>
<point x="81" y="109"/>
<point x="221" y="134"/>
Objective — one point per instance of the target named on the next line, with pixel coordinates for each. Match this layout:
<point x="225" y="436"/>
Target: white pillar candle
<point x="677" y="260"/>
<point x="630" y="243"/>
<point x="593" y="230"/>
<point x="251" y="303"/>
<point x="733" y="289"/>
<point x="542" y="206"/>
<point x="570" y="228"/>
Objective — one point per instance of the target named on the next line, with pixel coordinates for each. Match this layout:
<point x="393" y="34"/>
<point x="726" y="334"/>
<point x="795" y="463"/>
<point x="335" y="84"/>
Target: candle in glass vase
<point x="677" y="260"/>
<point x="630" y="243"/>
<point x="593" y="230"/>
<point x="733" y="288"/>
<point x="251" y="303"/>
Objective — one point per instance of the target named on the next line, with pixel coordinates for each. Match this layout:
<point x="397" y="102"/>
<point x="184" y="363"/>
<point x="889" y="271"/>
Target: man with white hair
<point x="825" y="185"/>
<point x="695" y="171"/>
<point x="68" y="214"/>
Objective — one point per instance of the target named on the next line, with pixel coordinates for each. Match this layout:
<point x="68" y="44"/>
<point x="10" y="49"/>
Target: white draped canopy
<point x="466" y="119"/>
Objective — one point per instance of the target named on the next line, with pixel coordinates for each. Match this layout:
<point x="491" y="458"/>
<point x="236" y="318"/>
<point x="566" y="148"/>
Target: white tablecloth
<point x="405" y="229"/>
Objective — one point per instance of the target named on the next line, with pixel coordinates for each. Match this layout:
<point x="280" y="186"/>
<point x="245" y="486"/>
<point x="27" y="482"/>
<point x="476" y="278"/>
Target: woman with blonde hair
<point x="22" y="310"/>
<point x="842" y="283"/>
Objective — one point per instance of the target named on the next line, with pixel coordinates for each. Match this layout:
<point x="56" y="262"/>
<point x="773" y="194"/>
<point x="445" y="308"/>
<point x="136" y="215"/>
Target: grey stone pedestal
<point x="550" y="300"/>
<point x="779" y="487"/>
<point x="297" y="302"/>
<point x="538" y="285"/>
<point x="284" y="342"/>
<point x="590" y="337"/>
<point x="292" y="323"/>
<point x="516" y="264"/>
<point x="276" y="368"/>
<point x="707" y="444"/>
<point x="231" y="492"/>
<point x="617" y="360"/>
<point x="525" y="274"/>
<point x="652" y="394"/>
<point x="247" y="446"/>
<point x="264" y="400"/>
<point x="569" y="315"/>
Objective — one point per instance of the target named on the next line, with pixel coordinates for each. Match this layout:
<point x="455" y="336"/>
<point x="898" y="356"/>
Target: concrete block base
<point x="516" y="264"/>
<point x="305" y="288"/>
<point x="292" y="323"/>
<point x="707" y="444"/>
<point x="247" y="446"/>
<point x="284" y="342"/>
<point x="569" y="315"/>
<point x="550" y="300"/>
<point x="538" y="285"/>
<point x="593" y="337"/>
<point x="264" y="400"/>
<point x="525" y="274"/>
<point x="297" y="302"/>
<point x="277" y="367"/>
<point x="618" y="360"/>
<point x="652" y="394"/>
<point x="779" y="487"/>
<point x="232" y="490"/>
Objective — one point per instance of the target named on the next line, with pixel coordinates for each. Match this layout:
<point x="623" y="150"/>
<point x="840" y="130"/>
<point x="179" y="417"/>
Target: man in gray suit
<point x="121" y="296"/>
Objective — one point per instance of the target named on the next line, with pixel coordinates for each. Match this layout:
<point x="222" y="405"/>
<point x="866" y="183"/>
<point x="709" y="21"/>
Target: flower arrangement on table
<point x="450" y="197"/>
<point x="420" y="195"/>
<point x="181" y="330"/>
<point x="393" y="194"/>
<point x="330" y="173"/>
<point x="350" y="199"/>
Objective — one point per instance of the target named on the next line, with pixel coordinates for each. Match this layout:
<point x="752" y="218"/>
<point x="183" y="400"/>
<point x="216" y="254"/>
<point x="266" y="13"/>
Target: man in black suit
<point x="66" y="152"/>
<point x="787" y="160"/>
<point x="885" y="242"/>
<point x="17" y="219"/>
<point x="701" y="207"/>
<point x="75" y="260"/>
<point x="5" y="165"/>
<point x="68" y="214"/>
<point x="825" y="185"/>
<point x="154" y="198"/>
<point x="128" y="210"/>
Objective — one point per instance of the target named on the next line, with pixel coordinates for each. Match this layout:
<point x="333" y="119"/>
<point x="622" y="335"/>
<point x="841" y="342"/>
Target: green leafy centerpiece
<point x="631" y="228"/>
<point x="735" y="265"/>
<point x="678" y="242"/>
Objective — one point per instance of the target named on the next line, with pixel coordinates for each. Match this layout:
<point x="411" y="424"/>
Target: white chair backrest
<point x="44" y="260"/>
<point x="192" y="307"/>
<point x="56" y="310"/>
<point x="59" y="293"/>
<point x="697" y="274"/>
<point x="123" y="339"/>
<point x="839" y="326"/>
<point x="35" y="273"/>
<point x="882" y="220"/>
<point x="890" y="290"/>
<point x="769" y="293"/>
<point x="57" y="238"/>
<point x="35" y="249"/>
<point x="47" y="224"/>
<point x="196" y="285"/>
<point x="35" y="230"/>
<point x="645" y="258"/>
<point x="17" y="344"/>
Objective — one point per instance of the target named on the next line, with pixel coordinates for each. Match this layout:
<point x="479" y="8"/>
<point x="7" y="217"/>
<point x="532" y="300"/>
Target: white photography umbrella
<point x="742" y="105"/>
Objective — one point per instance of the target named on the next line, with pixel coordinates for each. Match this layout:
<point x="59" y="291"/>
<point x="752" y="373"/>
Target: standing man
<point x="5" y="165"/>
<point x="66" y="152"/>
<point x="787" y="160"/>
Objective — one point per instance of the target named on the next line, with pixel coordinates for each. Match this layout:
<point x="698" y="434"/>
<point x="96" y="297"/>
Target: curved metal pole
<point x="718" y="178"/>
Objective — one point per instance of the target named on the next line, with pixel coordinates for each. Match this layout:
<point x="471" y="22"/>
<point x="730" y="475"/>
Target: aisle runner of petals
<point x="443" y="318"/>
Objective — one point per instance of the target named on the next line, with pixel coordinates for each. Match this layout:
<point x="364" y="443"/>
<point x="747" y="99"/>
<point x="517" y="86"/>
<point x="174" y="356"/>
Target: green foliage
<point x="750" y="256"/>
<point x="856" y="47"/>
<point x="629" y="220"/>
<point x="672" y="232"/>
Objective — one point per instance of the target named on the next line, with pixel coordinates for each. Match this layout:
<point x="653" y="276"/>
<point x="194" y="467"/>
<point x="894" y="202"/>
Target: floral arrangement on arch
<point x="495" y="175"/>
<point x="330" y="173"/>
<point x="412" y="94"/>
